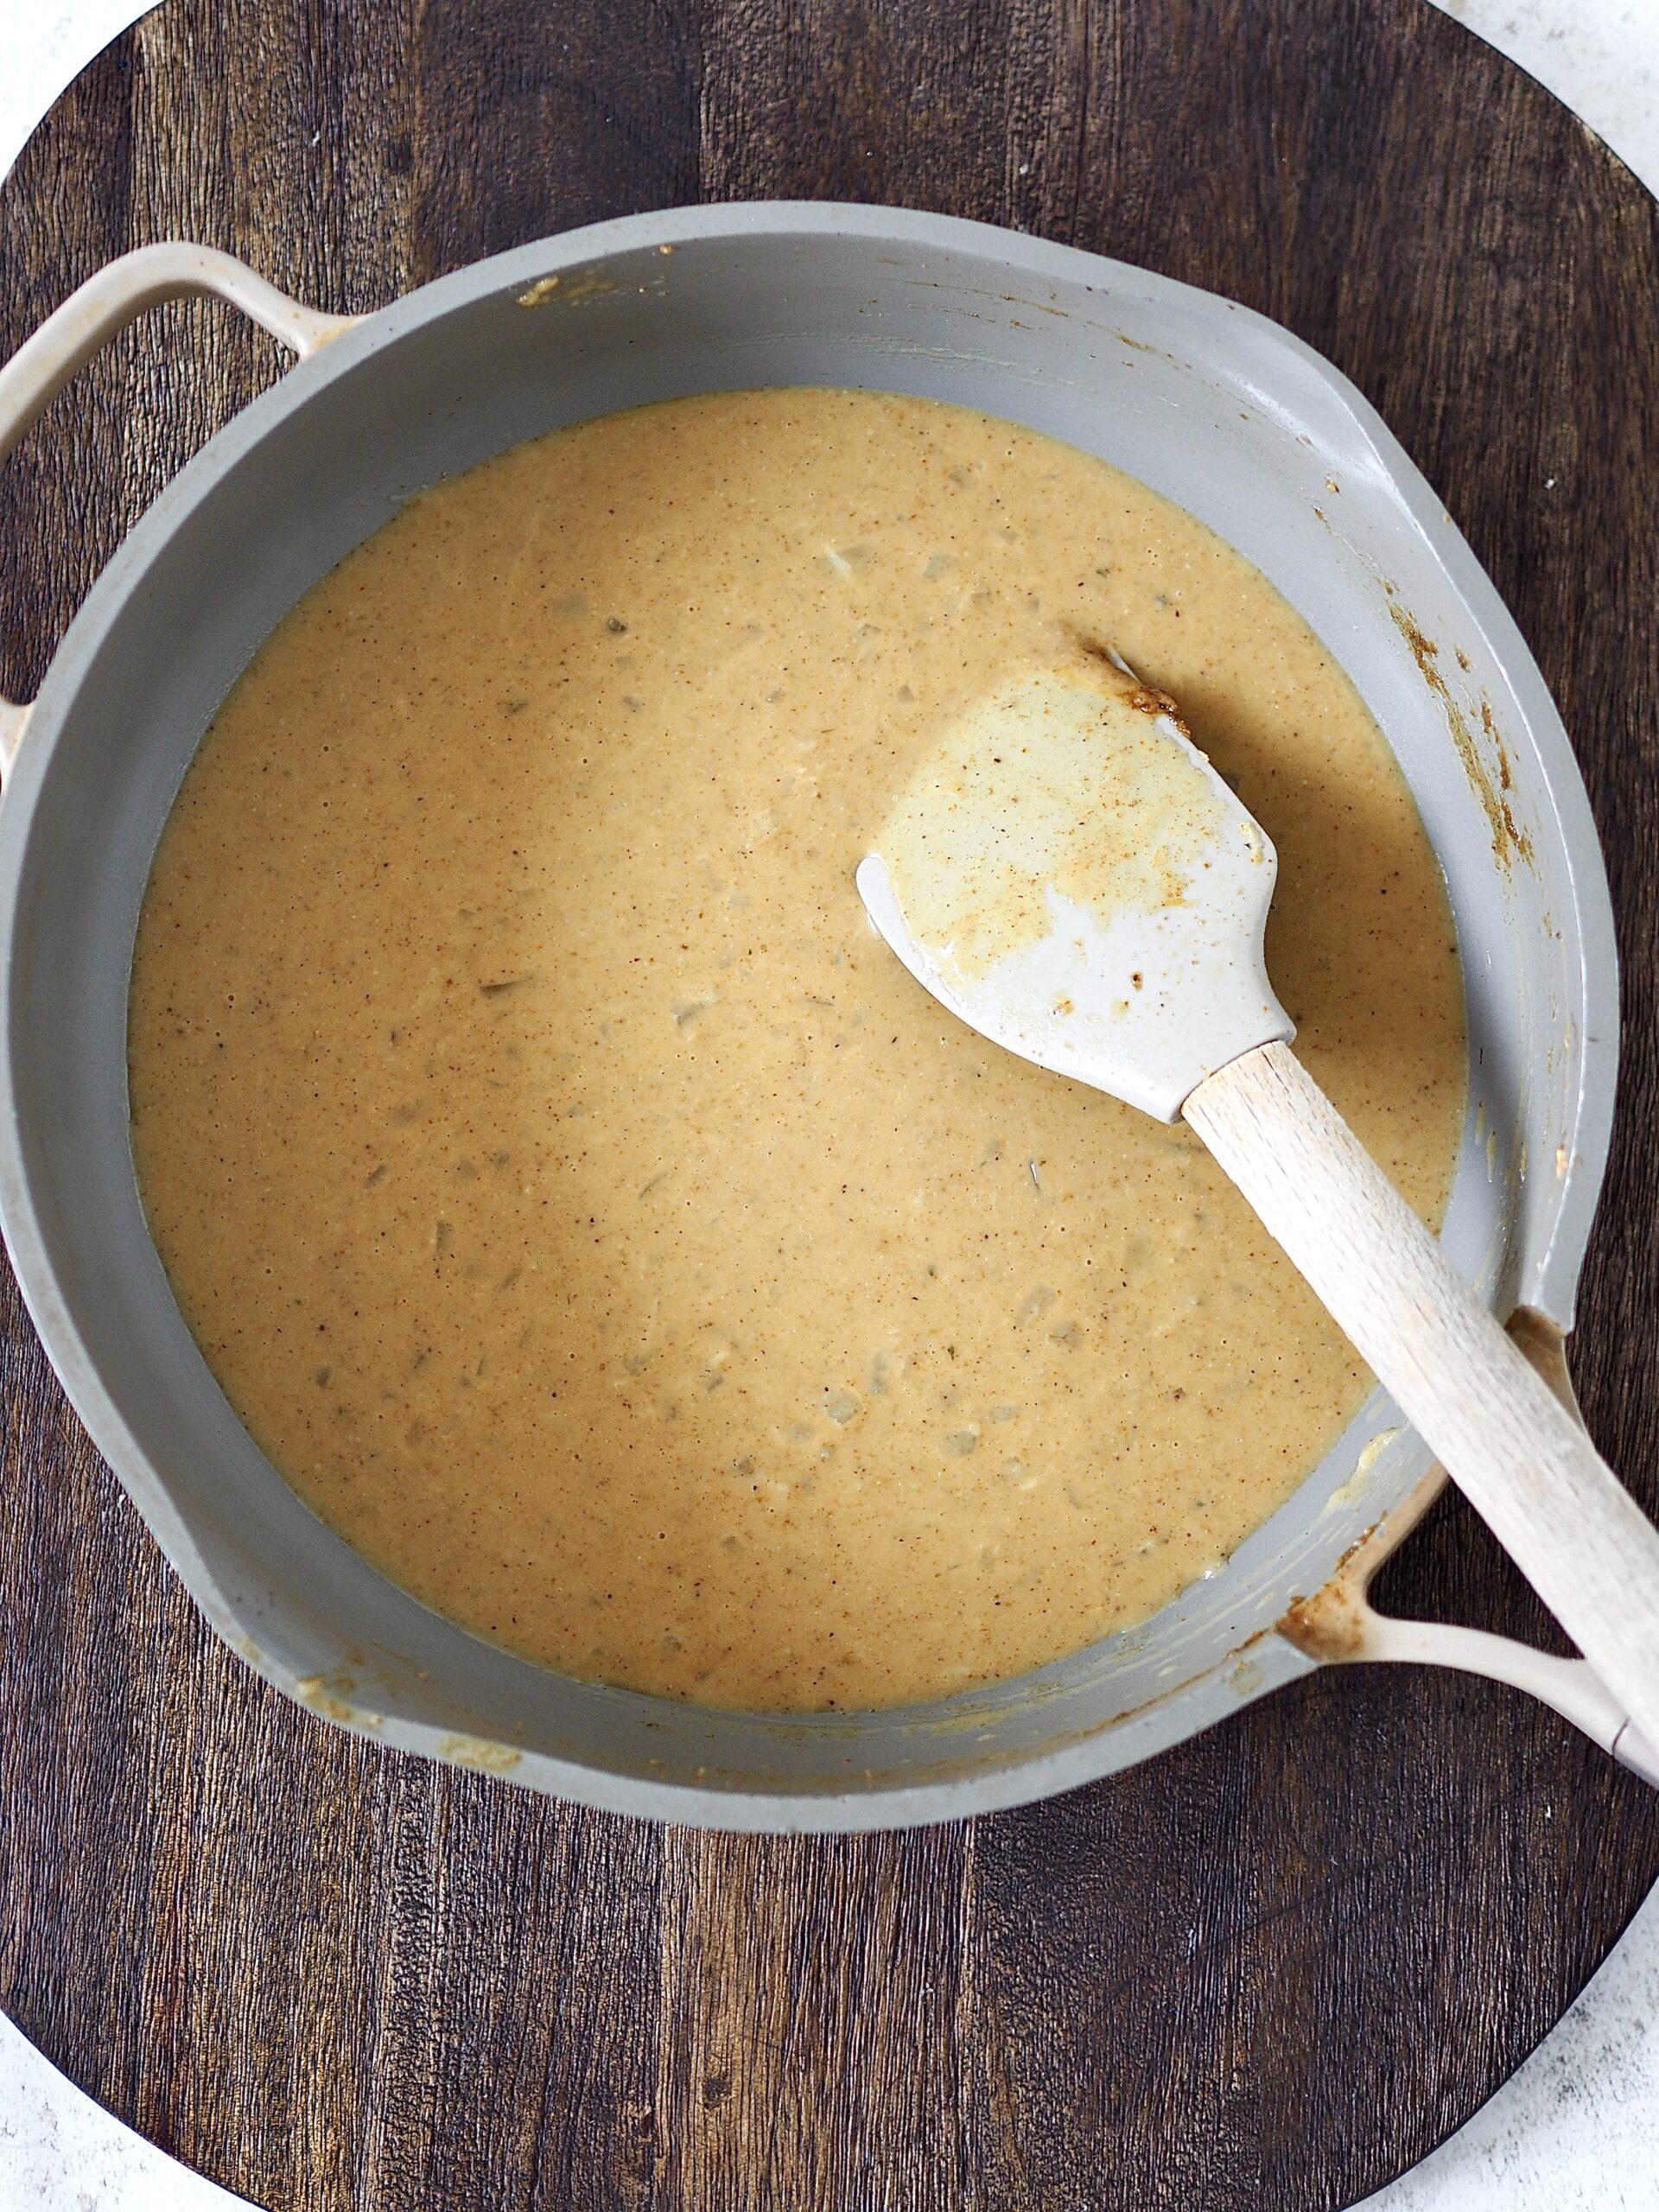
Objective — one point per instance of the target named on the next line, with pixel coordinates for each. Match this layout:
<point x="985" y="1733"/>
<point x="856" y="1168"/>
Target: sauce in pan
<point x="579" y="1203"/>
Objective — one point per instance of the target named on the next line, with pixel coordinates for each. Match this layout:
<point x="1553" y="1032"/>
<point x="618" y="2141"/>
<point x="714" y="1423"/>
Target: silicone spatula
<point x="1068" y="873"/>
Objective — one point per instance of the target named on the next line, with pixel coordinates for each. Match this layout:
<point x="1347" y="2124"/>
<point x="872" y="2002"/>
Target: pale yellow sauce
<point x="581" y="1207"/>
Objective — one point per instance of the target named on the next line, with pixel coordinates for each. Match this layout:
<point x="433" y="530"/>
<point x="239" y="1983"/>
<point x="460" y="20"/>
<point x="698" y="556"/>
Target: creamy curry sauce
<point x="581" y="1207"/>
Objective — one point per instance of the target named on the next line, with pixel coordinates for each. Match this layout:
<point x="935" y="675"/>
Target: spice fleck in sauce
<point x="580" y="1204"/>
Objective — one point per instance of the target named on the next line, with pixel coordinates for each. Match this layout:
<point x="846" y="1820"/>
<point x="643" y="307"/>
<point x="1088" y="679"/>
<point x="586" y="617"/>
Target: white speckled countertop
<point x="1577" y="2129"/>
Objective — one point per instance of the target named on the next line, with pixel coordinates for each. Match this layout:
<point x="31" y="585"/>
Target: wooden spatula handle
<point x="1549" y="1497"/>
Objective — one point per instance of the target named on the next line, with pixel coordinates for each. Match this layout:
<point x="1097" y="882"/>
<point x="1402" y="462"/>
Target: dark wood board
<point x="1271" y="1968"/>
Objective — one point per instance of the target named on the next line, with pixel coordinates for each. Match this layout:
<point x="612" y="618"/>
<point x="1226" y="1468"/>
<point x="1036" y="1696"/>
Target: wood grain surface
<point x="1272" y="1967"/>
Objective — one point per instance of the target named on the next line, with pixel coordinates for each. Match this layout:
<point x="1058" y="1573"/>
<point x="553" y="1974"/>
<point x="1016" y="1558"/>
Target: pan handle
<point x="1571" y="1686"/>
<point x="1338" y="1626"/>
<point x="105" y="304"/>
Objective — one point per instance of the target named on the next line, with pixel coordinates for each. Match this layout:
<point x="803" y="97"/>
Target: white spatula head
<point x="1068" y="873"/>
